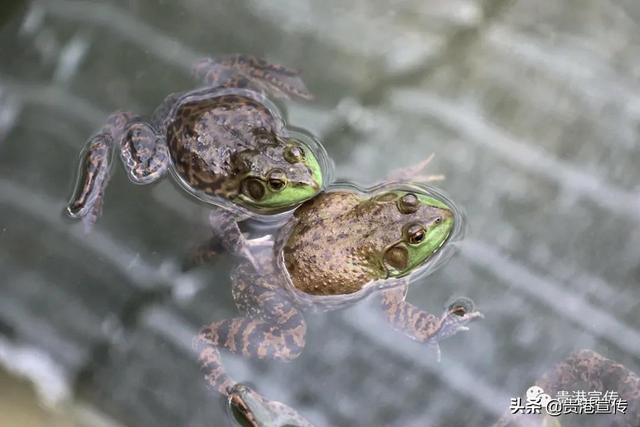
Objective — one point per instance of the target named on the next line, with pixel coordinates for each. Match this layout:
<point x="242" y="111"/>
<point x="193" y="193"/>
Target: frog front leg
<point x="226" y="238"/>
<point x="271" y="328"/>
<point x="243" y="71"/>
<point x="142" y="151"/>
<point x="422" y="326"/>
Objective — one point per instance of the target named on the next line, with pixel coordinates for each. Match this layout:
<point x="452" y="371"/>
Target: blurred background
<point x="531" y="108"/>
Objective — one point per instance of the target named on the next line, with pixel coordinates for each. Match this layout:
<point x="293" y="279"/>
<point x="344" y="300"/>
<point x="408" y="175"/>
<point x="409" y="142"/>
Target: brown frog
<point x="585" y="370"/>
<point x="335" y="249"/>
<point x="227" y="144"/>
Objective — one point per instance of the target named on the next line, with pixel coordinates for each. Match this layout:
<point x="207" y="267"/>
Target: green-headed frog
<point x="226" y="143"/>
<point x="335" y="249"/>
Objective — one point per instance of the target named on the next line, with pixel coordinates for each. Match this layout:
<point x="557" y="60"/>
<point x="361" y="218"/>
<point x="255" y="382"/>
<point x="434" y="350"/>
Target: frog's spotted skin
<point x="344" y="245"/>
<point x="211" y="139"/>
<point x="587" y="370"/>
<point x="375" y="231"/>
<point x="225" y="143"/>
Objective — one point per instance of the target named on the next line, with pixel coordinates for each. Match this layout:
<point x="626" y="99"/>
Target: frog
<point x="585" y="370"/>
<point x="333" y="251"/>
<point x="225" y="143"/>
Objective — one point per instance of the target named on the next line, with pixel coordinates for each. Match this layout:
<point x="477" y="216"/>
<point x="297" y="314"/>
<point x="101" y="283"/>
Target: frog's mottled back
<point x="343" y="240"/>
<point x="235" y="147"/>
<point x="226" y="143"/>
<point x="207" y="137"/>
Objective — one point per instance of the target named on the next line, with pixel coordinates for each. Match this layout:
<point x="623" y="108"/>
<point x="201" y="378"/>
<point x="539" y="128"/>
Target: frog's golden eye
<point x="253" y="188"/>
<point x="408" y="203"/>
<point x="415" y="233"/>
<point x="277" y="180"/>
<point x="293" y="154"/>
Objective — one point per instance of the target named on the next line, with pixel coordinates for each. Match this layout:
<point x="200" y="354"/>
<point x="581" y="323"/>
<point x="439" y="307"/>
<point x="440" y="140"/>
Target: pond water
<point x="531" y="109"/>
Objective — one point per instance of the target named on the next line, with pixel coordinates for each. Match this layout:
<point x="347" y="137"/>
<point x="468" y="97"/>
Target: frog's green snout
<point x="420" y="243"/>
<point x="443" y="231"/>
<point x="312" y="183"/>
<point x="317" y="178"/>
<point x="285" y="187"/>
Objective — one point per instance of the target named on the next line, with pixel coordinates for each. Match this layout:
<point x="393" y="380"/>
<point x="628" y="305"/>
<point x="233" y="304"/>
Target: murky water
<point x="532" y="110"/>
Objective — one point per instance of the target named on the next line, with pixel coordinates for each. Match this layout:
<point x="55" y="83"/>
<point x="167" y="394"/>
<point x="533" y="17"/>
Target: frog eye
<point x="253" y="188"/>
<point x="415" y="233"/>
<point x="277" y="180"/>
<point x="293" y="154"/>
<point x="408" y="203"/>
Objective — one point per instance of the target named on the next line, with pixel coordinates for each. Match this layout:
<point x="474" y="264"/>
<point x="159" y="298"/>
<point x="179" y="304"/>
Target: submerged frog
<point x="585" y="370"/>
<point x="588" y="371"/>
<point x="226" y="143"/>
<point x="335" y="249"/>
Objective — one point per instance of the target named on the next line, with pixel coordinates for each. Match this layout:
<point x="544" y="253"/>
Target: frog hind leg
<point x="243" y="71"/>
<point x="415" y="173"/>
<point x="271" y="328"/>
<point x="422" y="326"/>
<point x="203" y="253"/>
<point x="143" y="153"/>
<point x="94" y="170"/>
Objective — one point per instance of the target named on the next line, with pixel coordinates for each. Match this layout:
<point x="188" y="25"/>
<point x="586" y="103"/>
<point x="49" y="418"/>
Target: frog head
<point x="417" y="227"/>
<point x="280" y="175"/>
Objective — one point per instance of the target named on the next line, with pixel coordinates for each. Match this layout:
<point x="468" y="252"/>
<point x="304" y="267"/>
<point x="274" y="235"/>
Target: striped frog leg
<point x="271" y="328"/>
<point x="421" y="326"/>
<point x="143" y="153"/>
<point x="243" y="71"/>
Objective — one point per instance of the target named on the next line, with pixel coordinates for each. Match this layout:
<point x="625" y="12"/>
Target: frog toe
<point x="243" y="71"/>
<point x="456" y="318"/>
<point x="249" y="408"/>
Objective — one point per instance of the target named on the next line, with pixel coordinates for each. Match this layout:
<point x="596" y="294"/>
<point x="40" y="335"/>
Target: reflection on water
<point x="531" y="110"/>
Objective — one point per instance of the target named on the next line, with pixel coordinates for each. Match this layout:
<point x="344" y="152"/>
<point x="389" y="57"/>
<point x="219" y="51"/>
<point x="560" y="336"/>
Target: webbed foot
<point x="93" y="176"/>
<point x="415" y="172"/>
<point x="242" y="71"/>
<point x="249" y="408"/>
<point x="142" y="151"/>
<point x="455" y="318"/>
